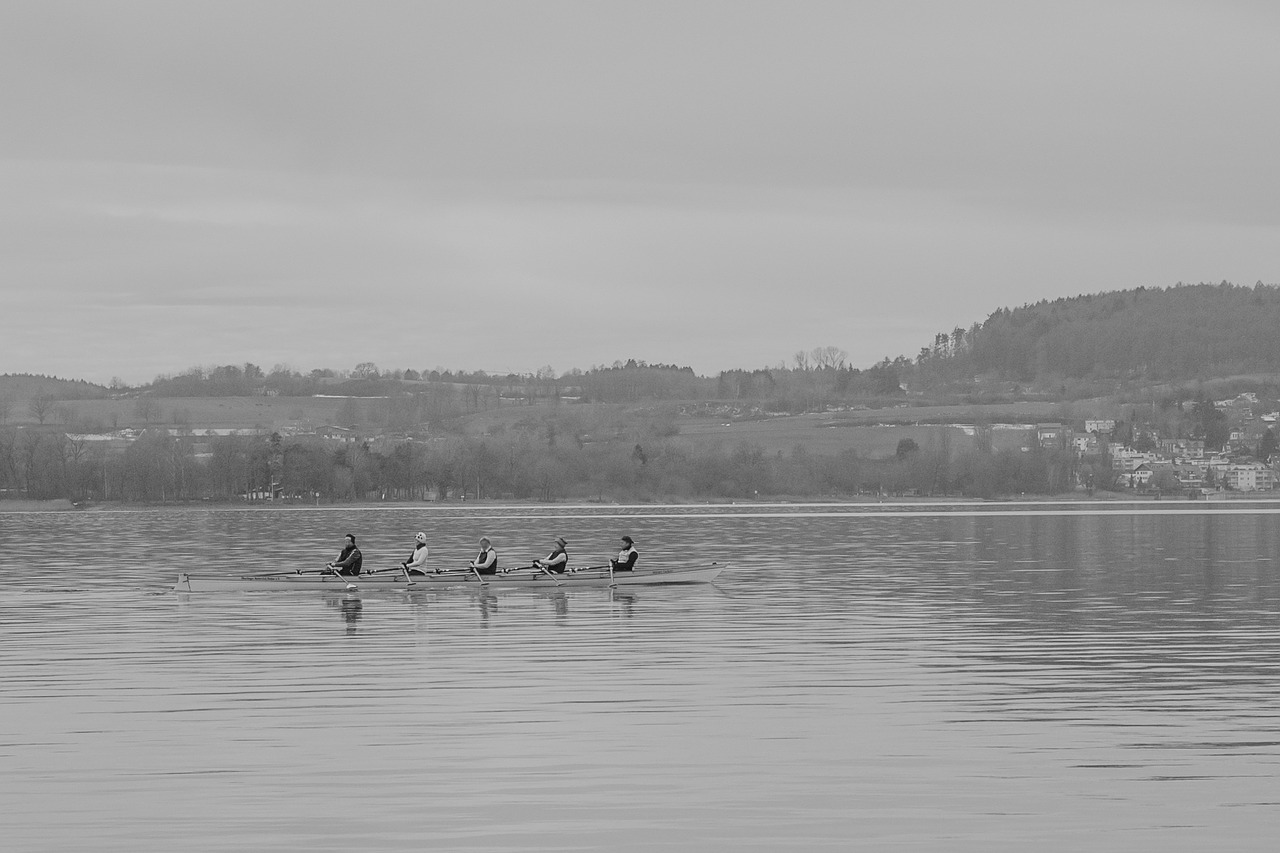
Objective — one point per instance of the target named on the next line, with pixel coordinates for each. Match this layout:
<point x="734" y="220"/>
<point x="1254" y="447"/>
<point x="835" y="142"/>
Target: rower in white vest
<point x="626" y="559"/>
<point x="417" y="562"/>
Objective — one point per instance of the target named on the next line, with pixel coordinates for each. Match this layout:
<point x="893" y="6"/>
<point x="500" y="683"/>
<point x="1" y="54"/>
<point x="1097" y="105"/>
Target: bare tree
<point x="147" y="408"/>
<point x="40" y="406"/>
<point x="548" y="378"/>
<point x="834" y="357"/>
<point x="75" y="453"/>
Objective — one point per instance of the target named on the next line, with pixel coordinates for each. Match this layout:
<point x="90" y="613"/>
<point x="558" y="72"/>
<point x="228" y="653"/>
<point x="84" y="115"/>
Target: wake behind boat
<point x="395" y="579"/>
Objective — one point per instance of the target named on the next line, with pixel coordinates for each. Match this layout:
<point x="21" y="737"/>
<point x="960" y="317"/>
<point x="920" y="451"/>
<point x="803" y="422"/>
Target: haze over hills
<point x="1068" y="348"/>
<point x="1151" y="363"/>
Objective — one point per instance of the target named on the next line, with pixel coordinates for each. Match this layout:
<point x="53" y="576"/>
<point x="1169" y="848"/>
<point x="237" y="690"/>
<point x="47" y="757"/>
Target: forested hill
<point x="24" y="386"/>
<point x="1181" y="332"/>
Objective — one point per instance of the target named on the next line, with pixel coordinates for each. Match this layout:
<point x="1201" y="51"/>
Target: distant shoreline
<point x="64" y="505"/>
<point x="57" y="505"/>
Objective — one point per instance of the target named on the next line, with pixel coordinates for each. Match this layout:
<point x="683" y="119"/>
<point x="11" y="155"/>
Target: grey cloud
<point x="859" y="174"/>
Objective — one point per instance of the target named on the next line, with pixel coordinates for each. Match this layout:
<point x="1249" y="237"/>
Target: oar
<point x="405" y="569"/>
<point x="476" y="572"/>
<point x="334" y="571"/>
<point x="546" y="572"/>
<point x="612" y="582"/>
<point x="398" y="569"/>
<point x="542" y="569"/>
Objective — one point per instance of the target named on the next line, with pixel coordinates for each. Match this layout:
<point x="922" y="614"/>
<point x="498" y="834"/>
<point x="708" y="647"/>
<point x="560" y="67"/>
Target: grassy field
<point x="824" y="434"/>
<point x="198" y="412"/>
<point x="819" y="434"/>
<point x="1028" y="412"/>
<point x="873" y="433"/>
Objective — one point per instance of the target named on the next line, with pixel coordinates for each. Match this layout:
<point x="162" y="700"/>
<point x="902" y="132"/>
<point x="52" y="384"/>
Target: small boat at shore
<point x="395" y="579"/>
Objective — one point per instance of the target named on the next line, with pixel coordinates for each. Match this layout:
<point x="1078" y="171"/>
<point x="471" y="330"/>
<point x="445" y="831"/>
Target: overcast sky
<point x="503" y="186"/>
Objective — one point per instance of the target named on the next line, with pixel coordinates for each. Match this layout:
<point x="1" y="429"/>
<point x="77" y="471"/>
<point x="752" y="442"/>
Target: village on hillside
<point x="1153" y="464"/>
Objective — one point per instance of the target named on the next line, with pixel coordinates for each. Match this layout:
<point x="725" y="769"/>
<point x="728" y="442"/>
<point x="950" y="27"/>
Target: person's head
<point x="351" y="539"/>
<point x="560" y="541"/>
<point x="421" y="537"/>
<point x="626" y="540"/>
<point x="484" y="543"/>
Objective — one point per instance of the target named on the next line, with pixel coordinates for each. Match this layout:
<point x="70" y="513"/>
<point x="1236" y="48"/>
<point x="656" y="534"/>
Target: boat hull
<point x="520" y="579"/>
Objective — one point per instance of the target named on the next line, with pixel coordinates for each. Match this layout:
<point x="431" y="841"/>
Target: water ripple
<point x="961" y="677"/>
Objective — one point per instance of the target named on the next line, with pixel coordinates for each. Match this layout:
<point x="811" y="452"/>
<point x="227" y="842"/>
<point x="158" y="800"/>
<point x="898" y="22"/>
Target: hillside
<point x="1123" y="345"/>
<point x="25" y="386"/>
<point x="1185" y="332"/>
<point x="1186" y="364"/>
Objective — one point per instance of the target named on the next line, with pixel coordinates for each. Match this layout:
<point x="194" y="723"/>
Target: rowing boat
<point x="396" y="580"/>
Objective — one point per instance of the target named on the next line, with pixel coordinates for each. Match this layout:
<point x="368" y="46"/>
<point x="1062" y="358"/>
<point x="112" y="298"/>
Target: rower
<point x="486" y="562"/>
<point x="558" y="560"/>
<point x="626" y="559"/>
<point x="350" y="560"/>
<point x="417" y="562"/>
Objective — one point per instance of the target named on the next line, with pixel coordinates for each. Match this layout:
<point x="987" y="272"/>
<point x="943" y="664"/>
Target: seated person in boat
<point x="486" y="562"/>
<point x="417" y="562"/>
<point x="558" y="560"/>
<point x="350" y="560"/>
<point x="626" y="559"/>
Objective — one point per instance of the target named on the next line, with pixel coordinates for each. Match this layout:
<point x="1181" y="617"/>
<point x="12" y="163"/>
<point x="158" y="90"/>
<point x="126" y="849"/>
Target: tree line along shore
<point x="398" y="448"/>
<point x="1152" y="360"/>
<point x="553" y="453"/>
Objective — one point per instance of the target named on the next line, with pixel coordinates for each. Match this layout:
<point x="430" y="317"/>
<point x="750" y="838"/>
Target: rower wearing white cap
<point x="417" y="562"/>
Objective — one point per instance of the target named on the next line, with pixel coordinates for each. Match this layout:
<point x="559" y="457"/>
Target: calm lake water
<point x="965" y="677"/>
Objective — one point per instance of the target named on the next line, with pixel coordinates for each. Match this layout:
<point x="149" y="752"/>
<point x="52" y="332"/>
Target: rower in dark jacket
<point x="486" y="562"/>
<point x="558" y="560"/>
<point x="350" y="560"/>
<point x="626" y="559"/>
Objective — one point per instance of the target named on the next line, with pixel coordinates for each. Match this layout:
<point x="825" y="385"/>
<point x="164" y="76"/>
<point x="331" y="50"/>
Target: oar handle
<point x="546" y="572"/>
<point x="331" y="569"/>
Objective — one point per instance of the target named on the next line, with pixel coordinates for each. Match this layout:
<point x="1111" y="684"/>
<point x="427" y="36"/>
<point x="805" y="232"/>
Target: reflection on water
<point x="922" y="679"/>
<point x="349" y="605"/>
